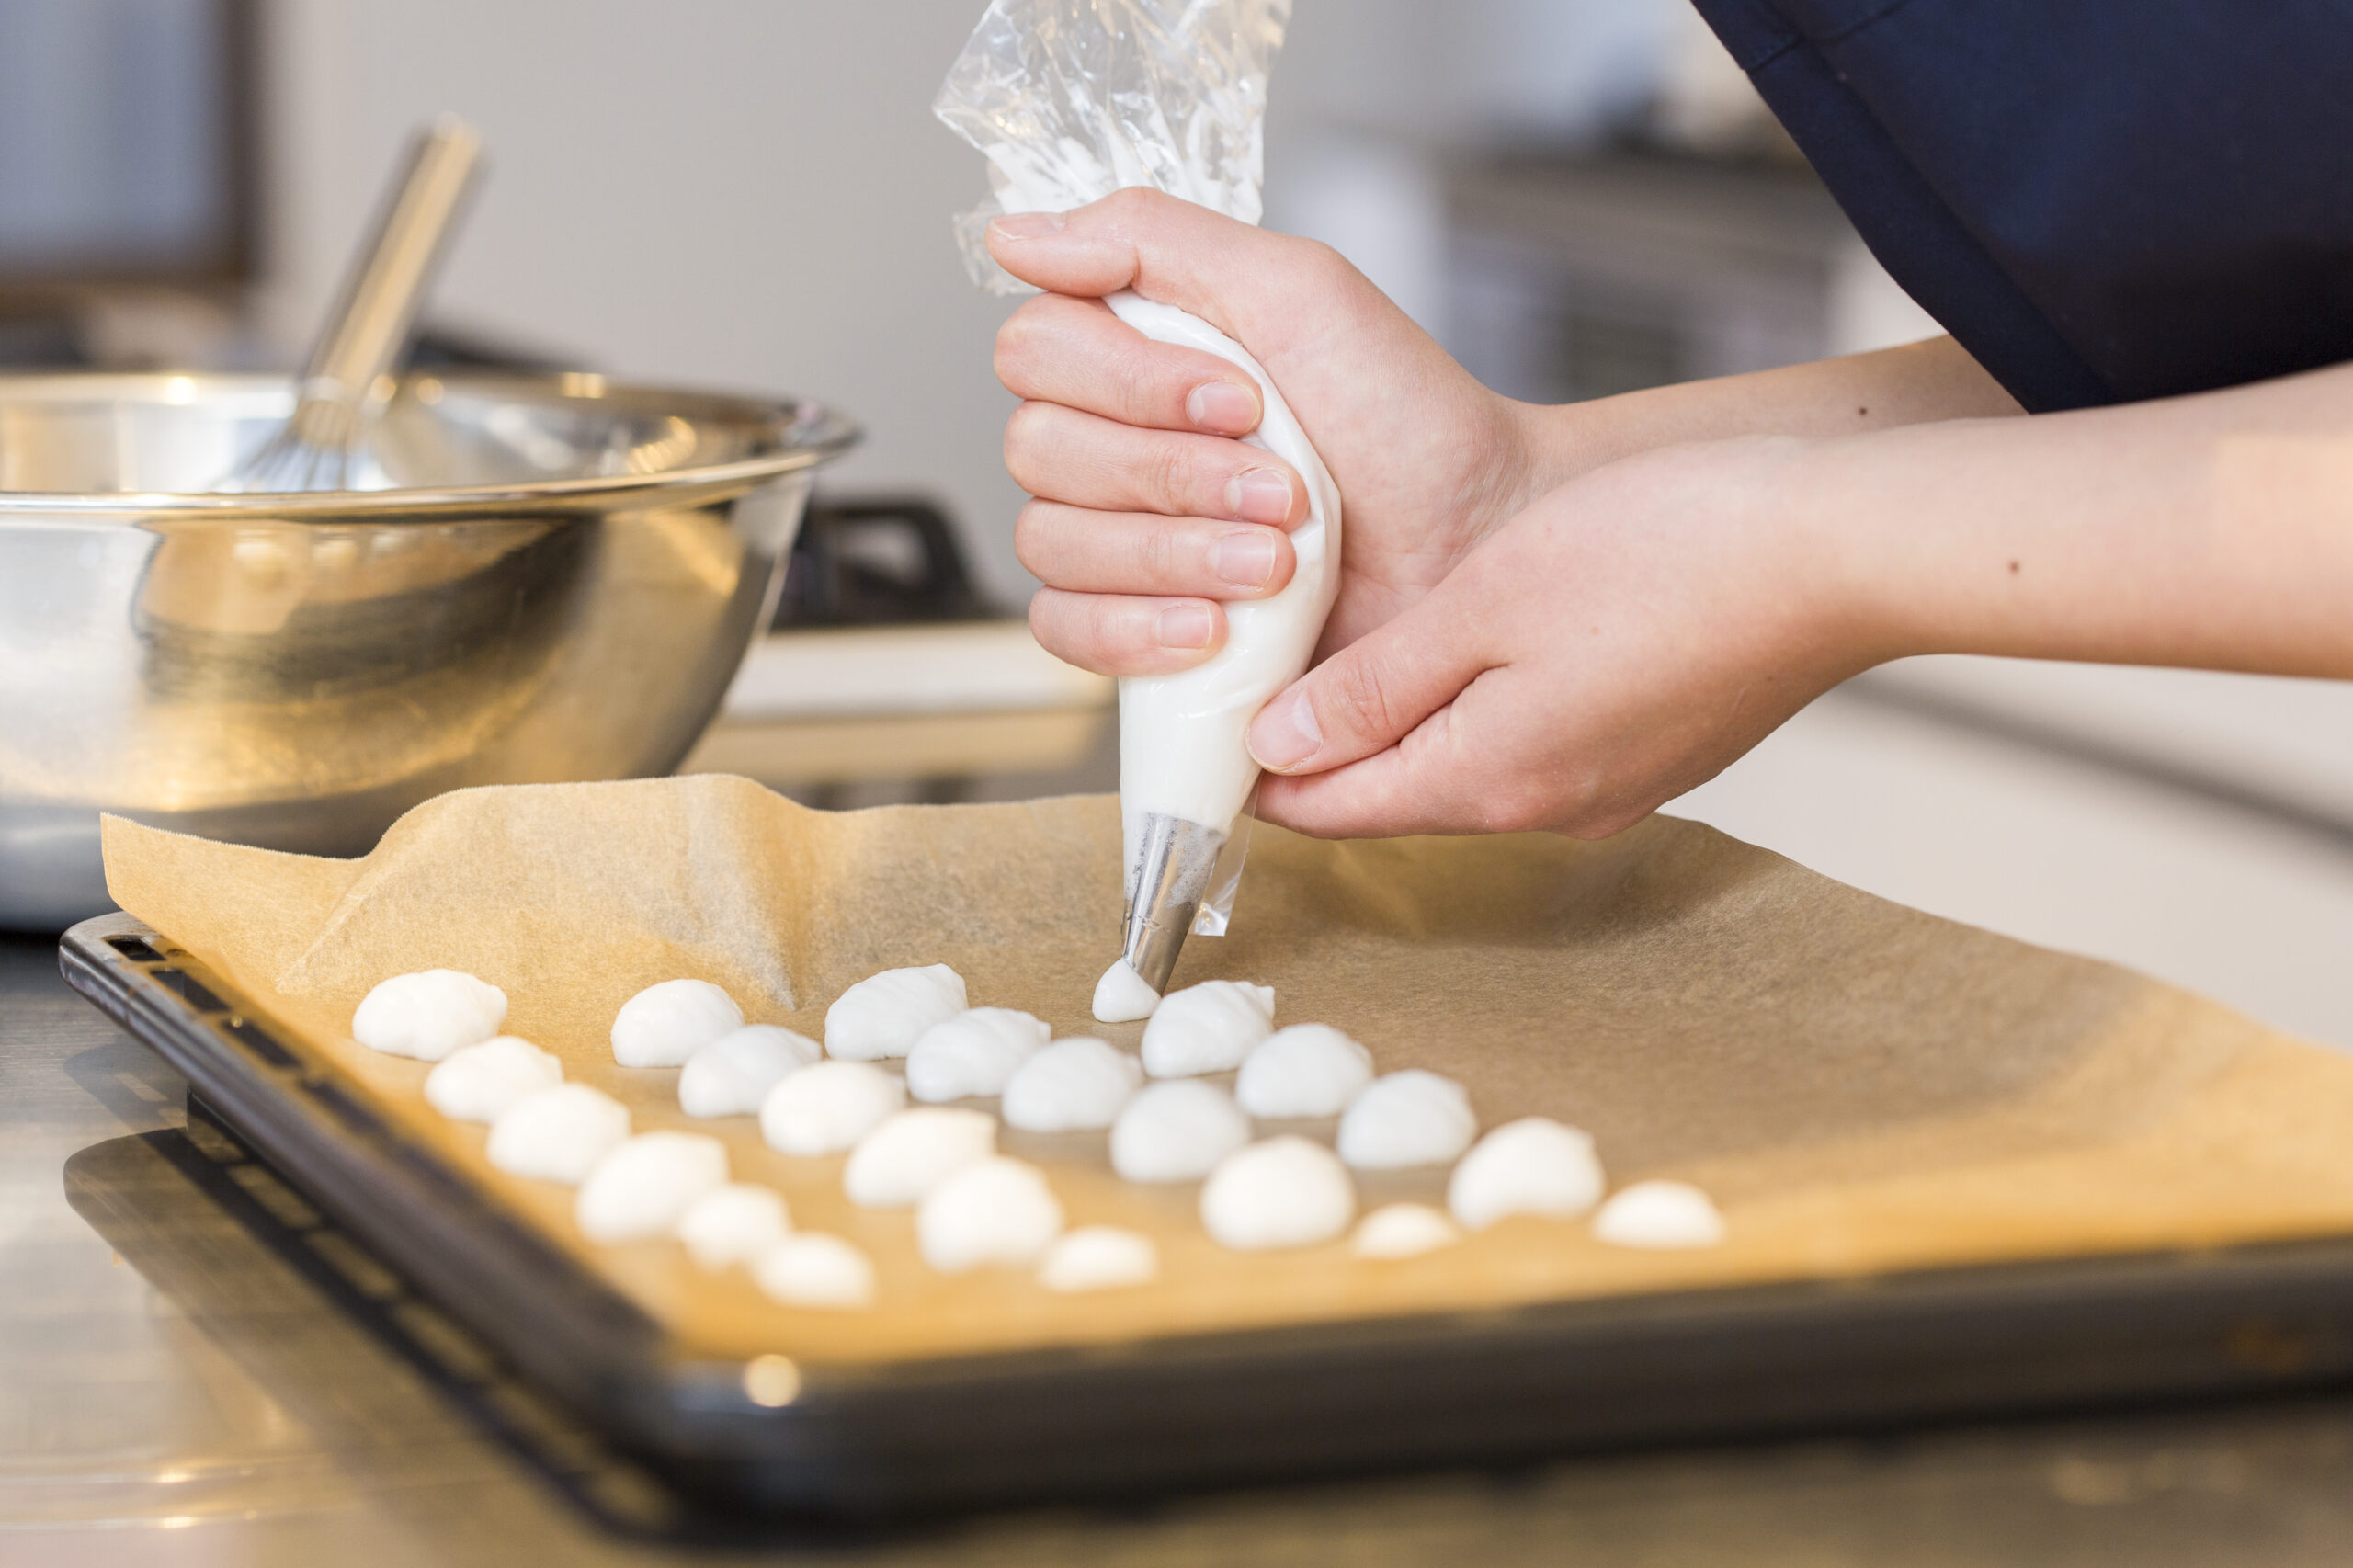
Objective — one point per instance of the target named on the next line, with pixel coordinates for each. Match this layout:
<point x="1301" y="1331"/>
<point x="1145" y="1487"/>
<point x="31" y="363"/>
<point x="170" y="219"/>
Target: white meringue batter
<point x="1177" y="1131"/>
<point x="810" y="1268"/>
<point x="1404" y="1229"/>
<point x="1099" y="1257"/>
<point x="663" y="1025"/>
<point x="1122" y="995"/>
<point x="1072" y="1086"/>
<point x="481" y="1082"/>
<point x="1534" y="1165"/>
<point x="975" y="1053"/>
<point x="734" y="1072"/>
<point x="429" y="1014"/>
<point x="885" y="1014"/>
<point x="825" y="1109"/>
<point x="1286" y="1192"/>
<point x="558" y="1134"/>
<point x="1660" y="1215"/>
<point x="735" y="1222"/>
<point x="1208" y="1028"/>
<point x="1407" y="1119"/>
<point x="645" y="1184"/>
<point x="994" y="1212"/>
<point x="1306" y="1069"/>
<point x="910" y="1151"/>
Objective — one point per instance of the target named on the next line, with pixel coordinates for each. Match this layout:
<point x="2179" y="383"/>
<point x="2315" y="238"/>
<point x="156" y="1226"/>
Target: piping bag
<point x="1070" y="101"/>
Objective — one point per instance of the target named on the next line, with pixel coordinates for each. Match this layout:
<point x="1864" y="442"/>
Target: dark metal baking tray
<point x="1483" y="1386"/>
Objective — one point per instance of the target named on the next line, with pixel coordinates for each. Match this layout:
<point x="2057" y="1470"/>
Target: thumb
<point x="1231" y="274"/>
<point x="1370" y="694"/>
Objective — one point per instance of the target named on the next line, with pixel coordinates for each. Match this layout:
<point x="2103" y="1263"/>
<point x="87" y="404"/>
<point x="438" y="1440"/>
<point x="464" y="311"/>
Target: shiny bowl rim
<point x="815" y="432"/>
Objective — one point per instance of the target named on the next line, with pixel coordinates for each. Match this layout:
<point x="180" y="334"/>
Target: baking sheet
<point x="1865" y="1088"/>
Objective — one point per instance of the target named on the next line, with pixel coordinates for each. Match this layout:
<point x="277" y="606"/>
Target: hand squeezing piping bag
<point x="1070" y="100"/>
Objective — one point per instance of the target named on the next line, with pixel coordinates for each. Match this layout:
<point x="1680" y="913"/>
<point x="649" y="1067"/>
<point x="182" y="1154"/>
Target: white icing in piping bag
<point x="1184" y="766"/>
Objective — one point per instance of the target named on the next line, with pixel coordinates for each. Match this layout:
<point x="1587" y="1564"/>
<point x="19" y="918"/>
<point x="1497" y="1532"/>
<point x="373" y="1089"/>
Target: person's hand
<point x="1149" y="512"/>
<point x="1616" y="643"/>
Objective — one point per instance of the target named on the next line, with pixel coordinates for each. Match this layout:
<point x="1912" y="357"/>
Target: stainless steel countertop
<point x="219" y="1409"/>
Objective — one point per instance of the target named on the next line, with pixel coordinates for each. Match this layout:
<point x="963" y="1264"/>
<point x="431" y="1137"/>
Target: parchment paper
<point x="1862" y="1087"/>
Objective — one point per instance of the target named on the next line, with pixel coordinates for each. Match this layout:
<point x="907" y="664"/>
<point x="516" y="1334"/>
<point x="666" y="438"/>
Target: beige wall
<point x="753" y="193"/>
<point x="740" y="193"/>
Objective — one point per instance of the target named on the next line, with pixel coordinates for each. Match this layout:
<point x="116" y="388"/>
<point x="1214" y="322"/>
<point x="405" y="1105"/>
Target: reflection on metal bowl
<point x="545" y="578"/>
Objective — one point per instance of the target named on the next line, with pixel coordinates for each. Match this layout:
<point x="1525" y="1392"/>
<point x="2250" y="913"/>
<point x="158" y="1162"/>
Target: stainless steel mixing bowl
<point x="557" y="581"/>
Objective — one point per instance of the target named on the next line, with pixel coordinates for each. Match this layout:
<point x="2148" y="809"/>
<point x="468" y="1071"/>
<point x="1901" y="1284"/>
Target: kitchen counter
<point x="176" y="1388"/>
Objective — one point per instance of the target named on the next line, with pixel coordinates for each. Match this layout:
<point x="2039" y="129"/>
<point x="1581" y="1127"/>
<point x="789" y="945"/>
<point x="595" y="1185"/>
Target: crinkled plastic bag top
<point x="1070" y="100"/>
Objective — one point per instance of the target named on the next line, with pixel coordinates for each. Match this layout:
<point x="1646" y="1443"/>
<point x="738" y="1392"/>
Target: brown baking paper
<point x="1862" y="1087"/>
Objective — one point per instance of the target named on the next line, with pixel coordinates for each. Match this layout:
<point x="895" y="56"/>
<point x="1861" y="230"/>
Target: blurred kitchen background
<point x="1577" y="197"/>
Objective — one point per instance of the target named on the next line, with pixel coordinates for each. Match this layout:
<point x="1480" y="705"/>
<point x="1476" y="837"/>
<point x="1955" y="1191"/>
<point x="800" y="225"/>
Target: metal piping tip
<point x="1171" y="872"/>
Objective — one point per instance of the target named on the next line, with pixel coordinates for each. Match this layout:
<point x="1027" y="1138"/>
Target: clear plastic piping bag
<point x="1070" y="101"/>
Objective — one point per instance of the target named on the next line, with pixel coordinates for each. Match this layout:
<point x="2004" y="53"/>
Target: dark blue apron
<point x="2103" y="201"/>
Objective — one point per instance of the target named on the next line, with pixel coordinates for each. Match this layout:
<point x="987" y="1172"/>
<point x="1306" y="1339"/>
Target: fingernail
<point x="1222" y="408"/>
<point x="1259" y="496"/>
<point x="1244" y="559"/>
<point x="1284" y="735"/>
<point x="1185" y="626"/>
<point x="1026" y="225"/>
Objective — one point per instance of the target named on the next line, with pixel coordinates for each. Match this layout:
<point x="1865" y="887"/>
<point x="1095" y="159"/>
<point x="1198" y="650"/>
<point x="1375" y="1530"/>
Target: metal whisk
<point x="348" y="377"/>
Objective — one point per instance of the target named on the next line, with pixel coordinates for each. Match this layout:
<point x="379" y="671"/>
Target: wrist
<point x="1849" y="573"/>
<point x="1561" y="442"/>
<point x="1827" y="398"/>
<point x="1567" y="442"/>
<point x="1526" y="450"/>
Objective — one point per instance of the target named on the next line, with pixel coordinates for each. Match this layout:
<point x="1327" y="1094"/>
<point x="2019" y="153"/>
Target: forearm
<point x="1917" y="382"/>
<point x="2214" y="531"/>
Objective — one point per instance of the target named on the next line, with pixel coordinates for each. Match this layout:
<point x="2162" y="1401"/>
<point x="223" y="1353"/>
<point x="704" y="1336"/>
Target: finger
<point x="1390" y="795"/>
<point x="1084" y="460"/>
<point x="1374" y="692"/>
<point x="1129" y="552"/>
<point x="1114" y="635"/>
<point x="1465" y="768"/>
<point x="1240" y="279"/>
<point x="1076" y="353"/>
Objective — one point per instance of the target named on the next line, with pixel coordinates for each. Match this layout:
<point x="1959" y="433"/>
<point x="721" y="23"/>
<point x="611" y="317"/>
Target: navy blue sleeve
<point x="2103" y="201"/>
